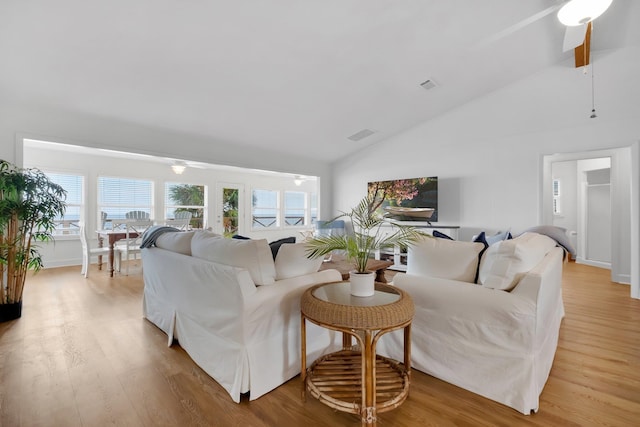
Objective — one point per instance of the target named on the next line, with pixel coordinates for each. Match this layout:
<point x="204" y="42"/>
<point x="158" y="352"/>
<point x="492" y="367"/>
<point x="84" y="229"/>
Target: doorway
<point x="622" y="201"/>
<point x="230" y="208"/>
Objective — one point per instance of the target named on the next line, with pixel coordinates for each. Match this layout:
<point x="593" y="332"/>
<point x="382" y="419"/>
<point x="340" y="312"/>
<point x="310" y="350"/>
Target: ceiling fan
<point x="578" y="16"/>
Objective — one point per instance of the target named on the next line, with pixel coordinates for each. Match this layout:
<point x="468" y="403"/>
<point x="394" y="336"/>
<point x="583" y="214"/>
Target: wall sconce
<point x="178" y="167"/>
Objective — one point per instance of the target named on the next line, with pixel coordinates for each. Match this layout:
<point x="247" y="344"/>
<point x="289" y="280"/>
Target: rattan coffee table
<point x="355" y="379"/>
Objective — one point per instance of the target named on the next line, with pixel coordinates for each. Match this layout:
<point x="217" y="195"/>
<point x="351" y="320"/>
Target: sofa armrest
<point x="196" y="288"/>
<point x="543" y="286"/>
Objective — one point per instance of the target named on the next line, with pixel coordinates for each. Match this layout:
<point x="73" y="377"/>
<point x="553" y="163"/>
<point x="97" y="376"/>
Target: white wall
<point x="67" y="250"/>
<point x="21" y="120"/>
<point x="566" y="173"/>
<point x="488" y="154"/>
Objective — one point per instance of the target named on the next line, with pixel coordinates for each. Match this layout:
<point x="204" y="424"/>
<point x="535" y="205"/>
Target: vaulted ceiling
<point x="294" y="76"/>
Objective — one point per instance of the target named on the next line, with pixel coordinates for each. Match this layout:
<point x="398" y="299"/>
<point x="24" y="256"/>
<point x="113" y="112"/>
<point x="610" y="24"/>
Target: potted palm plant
<point x="29" y="205"/>
<point x="360" y="245"/>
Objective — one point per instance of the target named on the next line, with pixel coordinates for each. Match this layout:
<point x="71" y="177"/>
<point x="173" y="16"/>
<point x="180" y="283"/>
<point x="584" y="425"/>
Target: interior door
<point x="229" y="209"/>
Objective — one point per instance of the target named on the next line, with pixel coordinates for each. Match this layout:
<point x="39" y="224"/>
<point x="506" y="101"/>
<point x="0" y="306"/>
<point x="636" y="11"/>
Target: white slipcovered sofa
<point x="496" y="338"/>
<point x="234" y="309"/>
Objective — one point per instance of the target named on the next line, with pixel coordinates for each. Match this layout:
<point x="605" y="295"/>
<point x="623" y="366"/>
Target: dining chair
<point x="88" y="251"/>
<point x="329" y="228"/>
<point x="137" y="215"/>
<point x="181" y="221"/>
<point x="130" y="245"/>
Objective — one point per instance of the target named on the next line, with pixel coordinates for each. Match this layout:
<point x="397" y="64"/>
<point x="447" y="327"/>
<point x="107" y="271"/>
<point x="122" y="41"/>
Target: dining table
<point x="111" y="236"/>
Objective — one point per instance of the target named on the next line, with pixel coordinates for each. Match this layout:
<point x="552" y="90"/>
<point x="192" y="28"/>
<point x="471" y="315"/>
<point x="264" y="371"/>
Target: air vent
<point x="362" y="134"/>
<point x="428" y="84"/>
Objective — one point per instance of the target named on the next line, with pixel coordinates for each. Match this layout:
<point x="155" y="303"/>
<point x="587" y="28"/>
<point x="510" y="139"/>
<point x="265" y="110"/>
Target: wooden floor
<point x="82" y="355"/>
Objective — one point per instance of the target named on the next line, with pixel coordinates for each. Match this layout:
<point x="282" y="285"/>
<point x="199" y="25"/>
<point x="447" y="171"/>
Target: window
<point x="185" y="198"/>
<point x="294" y="208"/>
<point x="117" y="196"/>
<point x="313" y="208"/>
<point x="264" y="209"/>
<point x="74" y="185"/>
<point x="556" y="197"/>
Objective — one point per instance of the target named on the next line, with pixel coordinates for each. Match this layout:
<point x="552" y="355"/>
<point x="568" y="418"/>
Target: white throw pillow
<point x="443" y="258"/>
<point x="292" y="261"/>
<point x="176" y="241"/>
<point x="506" y="262"/>
<point x="254" y="255"/>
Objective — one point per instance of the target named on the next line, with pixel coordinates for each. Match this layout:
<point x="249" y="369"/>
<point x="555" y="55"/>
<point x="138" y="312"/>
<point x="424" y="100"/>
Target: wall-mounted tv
<point x="413" y="199"/>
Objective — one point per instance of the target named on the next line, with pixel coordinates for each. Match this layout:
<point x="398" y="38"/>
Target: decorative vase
<point x="362" y="284"/>
<point x="10" y="311"/>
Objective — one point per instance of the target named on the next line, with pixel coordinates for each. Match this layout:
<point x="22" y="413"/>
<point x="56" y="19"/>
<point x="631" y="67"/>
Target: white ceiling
<point x="294" y="76"/>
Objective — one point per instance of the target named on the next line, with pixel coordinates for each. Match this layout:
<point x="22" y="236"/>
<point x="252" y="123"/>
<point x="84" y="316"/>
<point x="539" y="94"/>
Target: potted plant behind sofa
<point x="29" y="205"/>
<point x="360" y="245"/>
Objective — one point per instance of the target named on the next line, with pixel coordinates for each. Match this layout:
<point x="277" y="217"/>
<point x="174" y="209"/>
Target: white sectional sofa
<point x="496" y="338"/>
<point x="234" y="309"/>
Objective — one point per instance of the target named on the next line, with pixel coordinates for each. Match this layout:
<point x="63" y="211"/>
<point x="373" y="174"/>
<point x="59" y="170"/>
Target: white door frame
<point x="218" y="226"/>
<point x="631" y="227"/>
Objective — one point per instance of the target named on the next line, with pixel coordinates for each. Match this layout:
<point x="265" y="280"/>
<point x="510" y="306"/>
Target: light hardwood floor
<point x="82" y="355"/>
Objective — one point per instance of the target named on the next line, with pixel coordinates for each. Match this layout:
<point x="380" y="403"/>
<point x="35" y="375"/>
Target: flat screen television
<point x="412" y="199"/>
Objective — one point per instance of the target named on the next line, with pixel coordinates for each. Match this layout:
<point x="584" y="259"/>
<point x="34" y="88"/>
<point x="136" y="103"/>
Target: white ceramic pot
<point x="362" y="284"/>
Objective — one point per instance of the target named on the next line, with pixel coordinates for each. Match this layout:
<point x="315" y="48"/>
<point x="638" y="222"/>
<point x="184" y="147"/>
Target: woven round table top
<point x="389" y="307"/>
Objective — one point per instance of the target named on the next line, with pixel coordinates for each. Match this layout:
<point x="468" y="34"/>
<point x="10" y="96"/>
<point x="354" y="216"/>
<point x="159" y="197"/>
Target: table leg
<point x="303" y="358"/>
<point x="100" y="245"/>
<point x="368" y="414"/>
<point x="407" y="350"/>
<point x="380" y="276"/>
<point x="111" y="256"/>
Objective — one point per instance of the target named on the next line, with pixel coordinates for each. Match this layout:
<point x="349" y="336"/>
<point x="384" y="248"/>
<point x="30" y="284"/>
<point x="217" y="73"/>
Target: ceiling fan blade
<point x="517" y="26"/>
<point x="582" y="52"/>
<point x="574" y="36"/>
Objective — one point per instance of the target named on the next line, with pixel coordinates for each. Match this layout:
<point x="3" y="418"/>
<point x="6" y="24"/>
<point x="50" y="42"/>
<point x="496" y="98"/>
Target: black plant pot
<point x="10" y="311"/>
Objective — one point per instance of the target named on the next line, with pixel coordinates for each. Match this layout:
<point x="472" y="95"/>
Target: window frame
<point x="129" y="206"/>
<point x="277" y="210"/>
<point x="167" y="206"/>
<point x="73" y="233"/>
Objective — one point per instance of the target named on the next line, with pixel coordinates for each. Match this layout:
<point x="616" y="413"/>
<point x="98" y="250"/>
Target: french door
<point x="229" y="209"/>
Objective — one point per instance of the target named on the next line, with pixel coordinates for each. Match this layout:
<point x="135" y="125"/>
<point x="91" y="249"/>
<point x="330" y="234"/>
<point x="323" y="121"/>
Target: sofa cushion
<point x="178" y="241"/>
<point x="254" y="255"/>
<point x="504" y="263"/>
<point x="499" y="237"/>
<point x="275" y="246"/>
<point x="292" y="261"/>
<point x="443" y="258"/>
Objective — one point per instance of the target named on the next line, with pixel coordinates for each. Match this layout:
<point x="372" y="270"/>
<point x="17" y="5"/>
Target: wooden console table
<point x="355" y="379"/>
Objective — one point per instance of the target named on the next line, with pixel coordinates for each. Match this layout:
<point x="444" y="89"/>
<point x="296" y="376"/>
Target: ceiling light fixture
<point x="578" y="12"/>
<point x="297" y="180"/>
<point x="178" y="167"/>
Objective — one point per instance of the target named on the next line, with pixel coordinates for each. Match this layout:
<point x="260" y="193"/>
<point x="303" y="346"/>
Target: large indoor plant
<point x="367" y="237"/>
<point x="29" y="205"/>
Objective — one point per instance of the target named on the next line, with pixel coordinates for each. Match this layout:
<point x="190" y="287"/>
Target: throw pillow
<point x="440" y="235"/>
<point x="275" y="246"/>
<point x="505" y="262"/>
<point x="498" y="237"/>
<point x="479" y="238"/>
<point x="292" y="261"/>
<point x="444" y="258"/>
<point x="253" y="255"/>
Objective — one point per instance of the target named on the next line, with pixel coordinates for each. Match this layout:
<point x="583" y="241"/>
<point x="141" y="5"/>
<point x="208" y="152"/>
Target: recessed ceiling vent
<point x="362" y="134"/>
<point x="428" y="84"/>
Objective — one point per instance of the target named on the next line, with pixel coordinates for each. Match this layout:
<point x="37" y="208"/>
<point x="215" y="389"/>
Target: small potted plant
<point x="360" y="245"/>
<point x="29" y="205"/>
